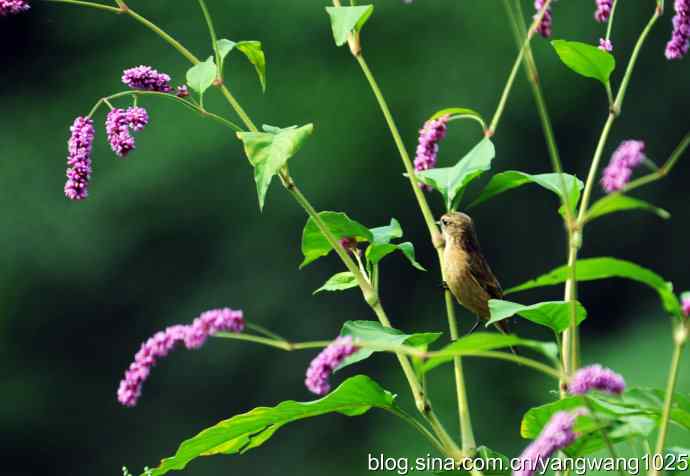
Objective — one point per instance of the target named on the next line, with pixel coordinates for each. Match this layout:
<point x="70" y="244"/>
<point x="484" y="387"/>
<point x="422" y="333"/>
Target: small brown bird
<point x="468" y="275"/>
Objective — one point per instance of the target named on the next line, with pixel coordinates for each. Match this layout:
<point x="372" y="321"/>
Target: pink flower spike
<point x="605" y="45"/>
<point x="326" y="362"/>
<point x="596" y="377"/>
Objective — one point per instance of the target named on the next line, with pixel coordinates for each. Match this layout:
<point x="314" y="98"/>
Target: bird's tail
<point x="504" y="328"/>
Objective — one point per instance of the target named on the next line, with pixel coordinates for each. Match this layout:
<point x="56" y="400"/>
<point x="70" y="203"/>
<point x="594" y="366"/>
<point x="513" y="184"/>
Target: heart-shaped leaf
<point x="200" y="77"/>
<point x="617" y="202"/>
<point x="269" y="151"/>
<point x="377" y="251"/>
<point x="384" y="234"/>
<point x="504" y="181"/>
<point x="554" y="314"/>
<point x="374" y="333"/>
<point x="314" y="243"/>
<point x="601" y="268"/>
<point x="346" y="20"/>
<point x="586" y="60"/>
<point x="339" y="282"/>
<point x="452" y="181"/>
<point x="252" y="50"/>
<point x="354" y="397"/>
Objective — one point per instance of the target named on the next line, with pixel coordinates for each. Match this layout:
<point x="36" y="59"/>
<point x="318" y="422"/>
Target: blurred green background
<point x="175" y="229"/>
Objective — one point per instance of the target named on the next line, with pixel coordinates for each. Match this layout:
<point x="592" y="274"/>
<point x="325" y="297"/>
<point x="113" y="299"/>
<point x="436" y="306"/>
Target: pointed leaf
<point x="339" y="282"/>
<point x="504" y="181"/>
<point x="200" y="77"/>
<point x="252" y="50"/>
<point x="586" y="60"/>
<point x="618" y="203"/>
<point x="353" y="397"/>
<point x="601" y="268"/>
<point x="346" y="20"/>
<point x="375" y="333"/>
<point x="554" y="314"/>
<point x="484" y="341"/>
<point x="314" y="243"/>
<point x="452" y="181"/>
<point x="377" y="251"/>
<point x="384" y="234"/>
<point x="268" y="152"/>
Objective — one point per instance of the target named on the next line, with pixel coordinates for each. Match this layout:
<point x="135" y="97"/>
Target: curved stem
<point x="516" y="65"/>
<point x="413" y="422"/>
<point x="214" y="38"/>
<point x="610" y="25"/>
<point x="663" y="170"/>
<point x="518" y="359"/>
<point x="679" y="343"/>
<point x="98" y="6"/>
<point x="172" y="97"/>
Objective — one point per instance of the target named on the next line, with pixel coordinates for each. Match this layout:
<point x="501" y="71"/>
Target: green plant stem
<point x="214" y="38"/>
<point x="413" y="422"/>
<point x="518" y="359"/>
<point x="516" y="65"/>
<point x="569" y="341"/>
<point x="680" y="338"/>
<point x="610" y="24"/>
<point x="468" y="442"/>
<point x="89" y="5"/>
<point x="170" y="97"/>
<point x="662" y="171"/>
<point x="264" y="331"/>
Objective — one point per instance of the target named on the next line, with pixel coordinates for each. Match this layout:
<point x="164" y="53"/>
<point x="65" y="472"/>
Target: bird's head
<point x="454" y="225"/>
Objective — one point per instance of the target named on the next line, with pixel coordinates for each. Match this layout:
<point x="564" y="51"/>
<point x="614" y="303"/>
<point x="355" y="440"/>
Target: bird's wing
<point x="479" y="268"/>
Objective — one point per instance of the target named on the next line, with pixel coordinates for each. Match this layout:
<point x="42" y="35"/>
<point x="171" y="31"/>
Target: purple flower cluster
<point x="147" y="79"/>
<point x="605" y="45"/>
<point x="596" y="377"/>
<point x="79" y="145"/>
<point x="117" y="126"/>
<point x="13" y="7"/>
<point x="160" y="345"/>
<point x="627" y="156"/>
<point x="430" y="135"/>
<point x="603" y="11"/>
<point x="678" y="46"/>
<point x="556" y="435"/>
<point x="686" y="306"/>
<point x="544" y="27"/>
<point x="326" y="362"/>
<point x="182" y="91"/>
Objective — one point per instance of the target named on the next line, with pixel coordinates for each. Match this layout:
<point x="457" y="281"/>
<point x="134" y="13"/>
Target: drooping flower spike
<point x="544" y="27"/>
<point x="557" y="434"/>
<point x="596" y="377"/>
<point x="117" y="126"/>
<point x="79" y="169"/>
<point x="326" y="362"/>
<point x="603" y="11"/>
<point x="678" y="45"/>
<point x="430" y="135"/>
<point x="155" y="348"/>
<point x="627" y="156"/>
<point x="13" y="7"/>
<point x="146" y="78"/>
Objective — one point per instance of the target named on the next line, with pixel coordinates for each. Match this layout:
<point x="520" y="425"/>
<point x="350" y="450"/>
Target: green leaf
<point x="553" y="314"/>
<point x="200" y="77"/>
<point x="269" y="151"/>
<point x="504" y="181"/>
<point x="346" y="20"/>
<point x="485" y="341"/>
<point x="586" y="60"/>
<point x="252" y="50"/>
<point x="377" y="251"/>
<point x="314" y="243"/>
<point x="354" y="397"/>
<point x="452" y="181"/>
<point x="339" y="282"/>
<point x="384" y="234"/>
<point x="601" y="268"/>
<point x="375" y="333"/>
<point x="618" y="203"/>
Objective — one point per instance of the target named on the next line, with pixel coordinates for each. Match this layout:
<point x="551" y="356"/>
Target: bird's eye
<point x="444" y="222"/>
